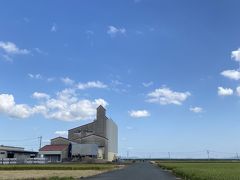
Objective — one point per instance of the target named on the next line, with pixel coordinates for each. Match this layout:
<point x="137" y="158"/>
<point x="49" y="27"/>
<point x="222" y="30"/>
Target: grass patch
<point x="53" y="178"/>
<point x="204" y="170"/>
<point x="58" y="167"/>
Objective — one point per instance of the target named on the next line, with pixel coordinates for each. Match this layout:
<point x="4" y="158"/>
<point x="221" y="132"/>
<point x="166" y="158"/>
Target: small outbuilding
<point x="16" y="152"/>
<point x="55" y="152"/>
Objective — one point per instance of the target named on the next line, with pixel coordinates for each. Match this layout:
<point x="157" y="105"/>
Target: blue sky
<point x="167" y="72"/>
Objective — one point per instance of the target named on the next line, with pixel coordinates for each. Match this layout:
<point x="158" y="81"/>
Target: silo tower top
<point x="101" y="112"/>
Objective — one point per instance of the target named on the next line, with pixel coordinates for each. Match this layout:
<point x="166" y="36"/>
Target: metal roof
<point x="60" y="147"/>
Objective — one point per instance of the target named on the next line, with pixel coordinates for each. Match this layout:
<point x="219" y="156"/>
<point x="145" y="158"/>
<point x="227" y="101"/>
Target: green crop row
<point x="204" y="171"/>
<point x="59" y="167"/>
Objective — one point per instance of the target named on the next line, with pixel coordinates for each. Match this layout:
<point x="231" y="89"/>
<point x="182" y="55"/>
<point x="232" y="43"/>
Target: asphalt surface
<point x="137" y="171"/>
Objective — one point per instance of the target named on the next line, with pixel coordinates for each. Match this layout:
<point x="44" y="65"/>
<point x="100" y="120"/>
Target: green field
<point x="204" y="170"/>
<point x="58" y="167"/>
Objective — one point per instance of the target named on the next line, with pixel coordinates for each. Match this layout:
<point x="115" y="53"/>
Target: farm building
<point x="15" y="152"/>
<point x="98" y="139"/>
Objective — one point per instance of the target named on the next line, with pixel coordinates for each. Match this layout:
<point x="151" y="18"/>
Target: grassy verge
<point x="59" y="167"/>
<point x="204" y="170"/>
<point x="48" y="174"/>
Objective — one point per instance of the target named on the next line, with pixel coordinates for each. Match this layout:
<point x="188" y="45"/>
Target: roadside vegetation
<point x="59" y="167"/>
<point x="63" y="171"/>
<point x="205" y="170"/>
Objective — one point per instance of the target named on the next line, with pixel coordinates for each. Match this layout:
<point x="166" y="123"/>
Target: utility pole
<point x="40" y="142"/>
<point x="169" y="155"/>
<point x="237" y="156"/>
<point x="127" y="154"/>
<point x="208" y="152"/>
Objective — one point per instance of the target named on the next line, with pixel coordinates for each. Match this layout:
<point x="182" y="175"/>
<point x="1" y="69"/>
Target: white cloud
<point x="54" y="28"/>
<point x="67" y="81"/>
<point x="40" y="77"/>
<point x="11" y="48"/>
<point x="196" y="109"/>
<point x="238" y="90"/>
<point x="236" y="55"/>
<point x="232" y="74"/>
<point x="113" y="31"/>
<point x="166" y="96"/>
<point x="38" y="95"/>
<point x="91" y="84"/>
<point x="10" y="108"/>
<point x="224" y="91"/>
<point x="72" y="109"/>
<point x="35" y="76"/>
<point x="61" y="133"/>
<point x="139" y="113"/>
<point x="147" y="84"/>
<point x="66" y="106"/>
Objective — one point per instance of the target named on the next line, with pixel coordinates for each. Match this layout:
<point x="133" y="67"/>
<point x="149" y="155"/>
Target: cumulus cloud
<point x="113" y="31"/>
<point x="67" y="81"/>
<point x="38" y="95"/>
<point x="11" y="48"/>
<point x="66" y="106"/>
<point x="236" y="55"/>
<point x="196" y="109"/>
<point x="225" y="91"/>
<point x="61" y="133"/>
<point x="231" y="74"/>
<point x="139" y="113"/>
<point x="10" y="108"/>
<point x="166" y="96"/>
<point x="91" y="84"/>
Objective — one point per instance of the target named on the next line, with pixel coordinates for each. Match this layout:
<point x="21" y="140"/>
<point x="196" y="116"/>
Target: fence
<point x="4" y="161"/>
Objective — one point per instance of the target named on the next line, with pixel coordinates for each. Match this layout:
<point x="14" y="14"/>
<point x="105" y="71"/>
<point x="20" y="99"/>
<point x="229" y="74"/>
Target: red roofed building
<point x="55" y="153"/>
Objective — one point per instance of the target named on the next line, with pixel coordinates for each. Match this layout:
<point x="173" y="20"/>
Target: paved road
<point x="138" y="171"/>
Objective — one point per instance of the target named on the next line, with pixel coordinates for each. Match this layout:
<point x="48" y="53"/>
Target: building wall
<point x="22" y="156"/>
<point x="102" y="131"/>
<point x="112" y="136"/>
<point x="100" y="122"/>
<point x="81" y="131"/>
<point x="3" y="154"/>
<point x="10" y="148"/>
<point x="60" y="140"/>
<point x="63" y="154"/>
<point x="84" y="149"/>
